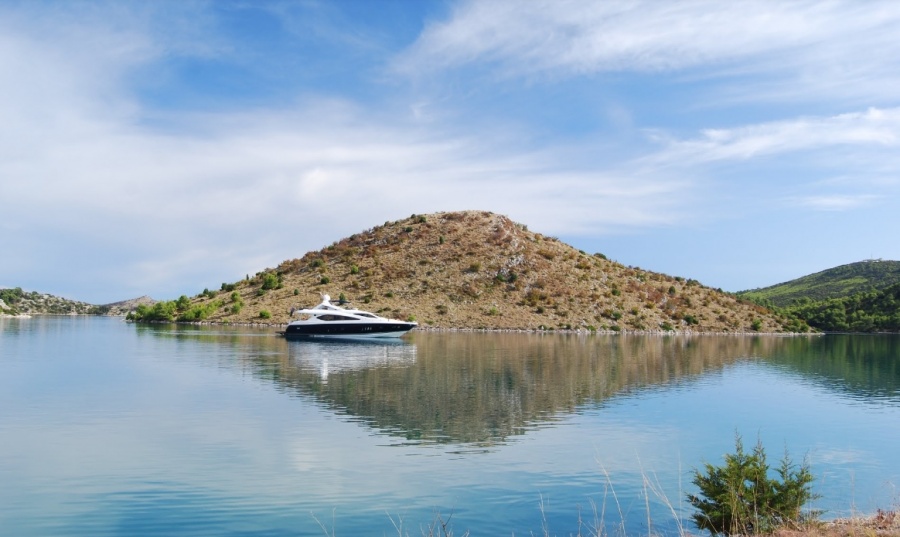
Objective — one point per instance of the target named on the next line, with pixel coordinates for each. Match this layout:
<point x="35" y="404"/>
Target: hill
<point x="15" y="301"/>
<point x="872" y="311"/>
<point x="124" y="306"/>
<point x="475" y="269"/>
<point x="837" y="282"/>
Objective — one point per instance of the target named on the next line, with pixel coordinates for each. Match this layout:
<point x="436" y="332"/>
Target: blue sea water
<point x="111" y="428"/>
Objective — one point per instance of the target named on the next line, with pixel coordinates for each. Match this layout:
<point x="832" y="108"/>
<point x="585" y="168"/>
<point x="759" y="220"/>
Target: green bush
<point x="161" y="311"/>
<point x="199" y="312"/>
<point x="265" y="314"/>
<point x="270" y="281"/>
<point x="741" y="498"/>
<point x="183" y="303"/>
<point x="11" y="296"/>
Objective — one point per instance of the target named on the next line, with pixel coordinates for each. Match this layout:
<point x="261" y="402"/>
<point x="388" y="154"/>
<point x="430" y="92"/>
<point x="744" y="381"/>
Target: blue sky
<point x="163" y="147"/>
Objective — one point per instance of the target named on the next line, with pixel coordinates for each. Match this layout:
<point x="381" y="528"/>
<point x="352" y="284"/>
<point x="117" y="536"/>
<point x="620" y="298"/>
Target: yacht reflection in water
<point x="335" y="355"/>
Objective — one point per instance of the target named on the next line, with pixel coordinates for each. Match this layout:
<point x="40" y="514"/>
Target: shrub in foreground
<point x="740" y="497"/>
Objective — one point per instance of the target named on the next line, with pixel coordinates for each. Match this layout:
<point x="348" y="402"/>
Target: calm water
<point x="108" y="428"/>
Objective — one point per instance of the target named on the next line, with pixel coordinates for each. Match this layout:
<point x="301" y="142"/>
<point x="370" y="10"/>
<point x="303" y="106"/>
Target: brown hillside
<point x="476" y="270"/>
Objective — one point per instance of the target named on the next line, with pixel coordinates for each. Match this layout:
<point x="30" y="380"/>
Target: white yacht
<point x="328" y="320"/>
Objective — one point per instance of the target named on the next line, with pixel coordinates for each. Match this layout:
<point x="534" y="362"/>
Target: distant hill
<point x="475" y="269"/>
<point x="871" y="311"/>
<point x="124" y="306"/>
<point x="15" y="301"/>
<point x="838" y="282"/>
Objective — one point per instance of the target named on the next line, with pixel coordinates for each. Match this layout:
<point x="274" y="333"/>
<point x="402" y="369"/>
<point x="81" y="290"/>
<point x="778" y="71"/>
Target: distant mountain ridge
<point x="14" y="301"/>
<point x="476" y="270"/>
<point x="124" y="306"/>
<point x="837" y="282"/>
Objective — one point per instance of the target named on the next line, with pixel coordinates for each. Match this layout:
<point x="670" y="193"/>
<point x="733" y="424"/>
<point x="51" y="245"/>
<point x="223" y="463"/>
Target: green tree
<point x="183" y="303"/>
<point x="740" y="497"/>
<point x="270" y="281"/>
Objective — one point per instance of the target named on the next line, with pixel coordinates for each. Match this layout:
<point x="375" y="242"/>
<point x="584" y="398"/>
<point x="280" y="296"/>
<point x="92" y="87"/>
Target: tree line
<point x="869" y="311"/>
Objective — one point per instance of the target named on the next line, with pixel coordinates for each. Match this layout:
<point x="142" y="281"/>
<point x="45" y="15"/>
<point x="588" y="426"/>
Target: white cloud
<point x="167" y="202"/>
<point x="878" y="128"/>
<point x="835" y="202"/>
<point x="809" y="47"/>
<point x="856" y="152"/>
<point x="215" y="195"/>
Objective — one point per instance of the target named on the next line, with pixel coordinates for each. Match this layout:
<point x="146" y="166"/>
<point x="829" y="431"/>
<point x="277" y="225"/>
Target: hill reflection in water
<point x="474" y="388"/>
<point x="484" y="388"/>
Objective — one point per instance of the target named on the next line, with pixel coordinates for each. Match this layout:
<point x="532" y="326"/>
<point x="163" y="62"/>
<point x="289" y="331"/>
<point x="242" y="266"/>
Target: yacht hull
<point x="350" y="330"/>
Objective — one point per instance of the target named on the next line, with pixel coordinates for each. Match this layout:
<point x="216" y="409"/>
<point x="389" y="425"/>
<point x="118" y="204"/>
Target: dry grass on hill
<point x="476" y="270"/>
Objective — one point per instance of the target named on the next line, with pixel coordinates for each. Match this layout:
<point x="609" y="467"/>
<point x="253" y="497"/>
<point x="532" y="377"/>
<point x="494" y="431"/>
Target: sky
<point x="160" y="148"/>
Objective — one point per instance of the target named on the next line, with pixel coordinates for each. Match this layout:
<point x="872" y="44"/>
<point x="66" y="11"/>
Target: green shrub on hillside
<point x="199" y="312"/>
<point x="161" y="311"/>
<point x="11" y="296"/>
<point x="172" y="310"/>
<point x="271" y="281"/>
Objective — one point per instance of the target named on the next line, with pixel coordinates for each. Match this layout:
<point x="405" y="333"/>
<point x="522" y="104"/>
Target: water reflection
<point x="864" y="368"/>
<point x="124" y="429"/>
<point x="331" y="356"/>
<point x="484" y="389"/>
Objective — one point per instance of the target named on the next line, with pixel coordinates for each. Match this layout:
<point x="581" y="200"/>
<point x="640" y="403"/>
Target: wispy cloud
<point x="839" y="163"/>
<point x="242" y="190"/>
<point x="879" y="128"/>
<point x="100" y="158"/>
<point x="807" y="47"/>
<point x="834" y="202"/>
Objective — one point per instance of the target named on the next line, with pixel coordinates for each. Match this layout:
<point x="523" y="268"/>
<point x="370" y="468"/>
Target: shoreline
<point x="456" y="329"/>
<point x="576" y="331"/>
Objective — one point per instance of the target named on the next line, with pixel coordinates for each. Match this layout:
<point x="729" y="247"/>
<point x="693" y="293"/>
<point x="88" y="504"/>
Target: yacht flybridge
<point x="328" y="320"/>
